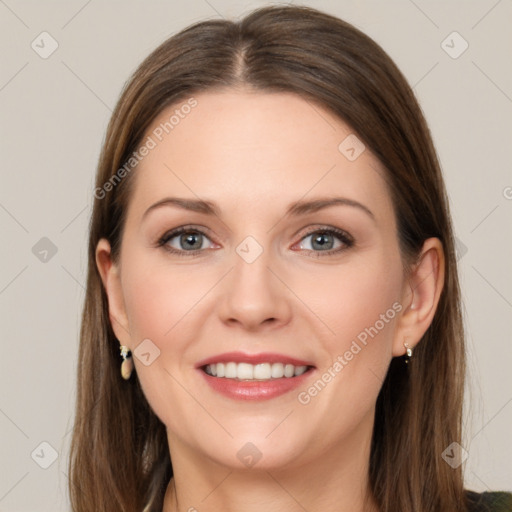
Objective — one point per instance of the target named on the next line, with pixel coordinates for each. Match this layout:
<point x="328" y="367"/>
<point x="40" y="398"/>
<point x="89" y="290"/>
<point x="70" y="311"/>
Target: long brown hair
<point x="119" y="457"/>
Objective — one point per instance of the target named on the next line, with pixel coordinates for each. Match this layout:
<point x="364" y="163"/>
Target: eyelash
<point x="343" y="236"/>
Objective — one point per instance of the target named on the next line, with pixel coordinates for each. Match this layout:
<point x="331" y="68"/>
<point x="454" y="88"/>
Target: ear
<point x="110" y="276"/>
<point x="420" y="296"/>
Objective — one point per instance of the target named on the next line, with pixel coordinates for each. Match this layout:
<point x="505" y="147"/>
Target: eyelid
<point x="346" y="239"/>
<point x="172" y="233"/>
<point x="326" y="229"/>
<point x="343" y="236"/>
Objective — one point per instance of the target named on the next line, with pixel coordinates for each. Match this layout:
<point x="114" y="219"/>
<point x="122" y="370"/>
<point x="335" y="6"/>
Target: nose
<point x="253" y="297"/>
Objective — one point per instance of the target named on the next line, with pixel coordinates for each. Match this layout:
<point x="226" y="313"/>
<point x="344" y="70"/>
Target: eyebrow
<point x="297" y="208"/>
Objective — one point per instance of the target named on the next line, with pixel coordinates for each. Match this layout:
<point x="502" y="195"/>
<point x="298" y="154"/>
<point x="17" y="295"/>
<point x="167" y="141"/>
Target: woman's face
<point x="279" y="277"/>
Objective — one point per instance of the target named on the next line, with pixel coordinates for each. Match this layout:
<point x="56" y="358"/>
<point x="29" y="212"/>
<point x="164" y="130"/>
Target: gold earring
<point x="127" y="364"/>
<point x="408" y="352"/>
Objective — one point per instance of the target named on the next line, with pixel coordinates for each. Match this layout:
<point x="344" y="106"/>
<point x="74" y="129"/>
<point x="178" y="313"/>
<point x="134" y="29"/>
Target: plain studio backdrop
<point x="62" y="69"/>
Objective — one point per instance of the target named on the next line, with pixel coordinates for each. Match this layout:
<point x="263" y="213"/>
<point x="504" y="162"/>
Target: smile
<point x="263" y="376"/>
<point x="247" y="371"/>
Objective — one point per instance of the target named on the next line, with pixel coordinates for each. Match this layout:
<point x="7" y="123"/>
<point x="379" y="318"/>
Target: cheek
<point x="159" y="301"/>
<point x="158" y="298"/>
<point x="355" y="297"/>
<point x="360" y="303"/>
<point x="361" y="306"/>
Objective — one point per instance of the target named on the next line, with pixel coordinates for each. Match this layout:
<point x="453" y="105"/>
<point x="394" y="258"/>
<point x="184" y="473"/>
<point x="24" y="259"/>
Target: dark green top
<point x="489" y="501"/>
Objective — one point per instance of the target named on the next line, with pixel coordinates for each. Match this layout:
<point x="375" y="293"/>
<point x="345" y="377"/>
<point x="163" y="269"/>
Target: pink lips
<point x="253" y="390"/>
<point x="240" y="357"/>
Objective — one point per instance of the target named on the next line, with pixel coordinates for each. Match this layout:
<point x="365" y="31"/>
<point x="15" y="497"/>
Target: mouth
<point x="251" y="372"/>
<point x="254" y="377"/>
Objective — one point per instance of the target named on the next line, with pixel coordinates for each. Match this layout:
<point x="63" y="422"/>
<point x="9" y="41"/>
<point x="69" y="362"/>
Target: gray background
<point x="54" y="116"/>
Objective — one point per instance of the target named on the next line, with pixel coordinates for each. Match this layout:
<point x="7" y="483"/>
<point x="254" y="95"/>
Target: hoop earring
<point x="408" y="352"/>
<point x="127" y="364"/>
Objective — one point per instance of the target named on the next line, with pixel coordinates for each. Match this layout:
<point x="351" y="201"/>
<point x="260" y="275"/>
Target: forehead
<point x="254" y="148"/>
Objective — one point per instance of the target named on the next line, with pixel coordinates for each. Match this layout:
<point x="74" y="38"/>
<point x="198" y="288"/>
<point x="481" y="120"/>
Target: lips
<point x="254" y="376"/>
<point x="240" y="357"/>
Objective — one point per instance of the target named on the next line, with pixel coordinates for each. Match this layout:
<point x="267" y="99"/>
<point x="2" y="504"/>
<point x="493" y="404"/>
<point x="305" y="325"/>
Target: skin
<point x="253" y="154"/>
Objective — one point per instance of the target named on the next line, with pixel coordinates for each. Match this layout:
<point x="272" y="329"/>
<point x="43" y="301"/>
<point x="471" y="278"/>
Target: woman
<point x="272" y="318"/>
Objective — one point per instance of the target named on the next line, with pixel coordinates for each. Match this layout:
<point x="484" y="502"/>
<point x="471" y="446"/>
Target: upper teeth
<point x="246" y="371"/>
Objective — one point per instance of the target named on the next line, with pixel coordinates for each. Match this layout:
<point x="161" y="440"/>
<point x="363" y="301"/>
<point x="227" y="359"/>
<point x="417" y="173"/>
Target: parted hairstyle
<point x="119" y="458"/>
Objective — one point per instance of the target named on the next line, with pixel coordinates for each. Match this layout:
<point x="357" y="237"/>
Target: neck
<point x="336" y="481"/>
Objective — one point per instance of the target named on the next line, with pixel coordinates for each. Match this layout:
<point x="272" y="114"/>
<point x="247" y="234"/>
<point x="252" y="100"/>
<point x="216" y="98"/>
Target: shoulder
<point x="489" y="501"/>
